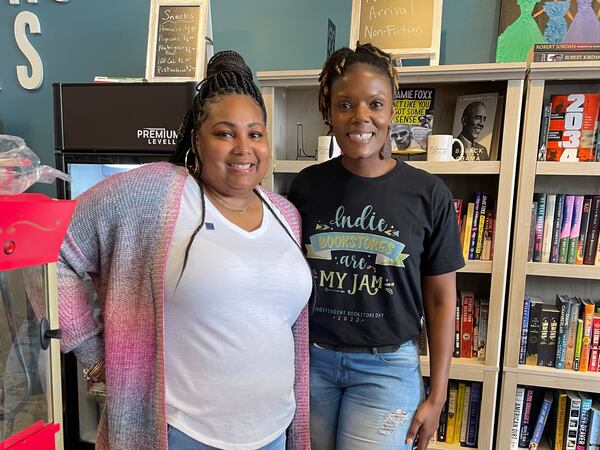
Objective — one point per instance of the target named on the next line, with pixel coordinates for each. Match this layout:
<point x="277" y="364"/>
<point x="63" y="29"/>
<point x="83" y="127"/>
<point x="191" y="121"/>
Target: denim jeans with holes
<point x="181" y="441"/>
<point x="363" y="401"/>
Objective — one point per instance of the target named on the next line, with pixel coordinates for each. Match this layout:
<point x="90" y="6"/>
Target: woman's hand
<point x="424" y="424"/>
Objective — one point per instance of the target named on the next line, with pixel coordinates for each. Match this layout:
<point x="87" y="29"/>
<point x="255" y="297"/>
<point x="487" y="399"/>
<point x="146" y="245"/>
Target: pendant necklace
<point x="225" y="205"/>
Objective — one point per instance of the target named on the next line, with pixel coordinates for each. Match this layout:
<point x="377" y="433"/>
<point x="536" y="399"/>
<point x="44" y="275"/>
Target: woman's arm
<point x="439" y="300"/>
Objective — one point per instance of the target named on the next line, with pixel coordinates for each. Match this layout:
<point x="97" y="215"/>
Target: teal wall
<point x="81" y="39"/>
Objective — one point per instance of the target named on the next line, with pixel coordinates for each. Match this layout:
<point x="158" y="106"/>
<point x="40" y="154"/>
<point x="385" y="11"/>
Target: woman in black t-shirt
<point x="382" y="240"/>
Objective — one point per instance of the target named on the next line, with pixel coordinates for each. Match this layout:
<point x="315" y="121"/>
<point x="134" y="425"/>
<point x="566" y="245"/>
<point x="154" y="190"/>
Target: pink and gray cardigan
<point x="121" y="234"/>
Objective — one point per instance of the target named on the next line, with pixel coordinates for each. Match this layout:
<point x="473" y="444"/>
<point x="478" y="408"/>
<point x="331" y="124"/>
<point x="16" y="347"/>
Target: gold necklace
<point x="225" y="205"/>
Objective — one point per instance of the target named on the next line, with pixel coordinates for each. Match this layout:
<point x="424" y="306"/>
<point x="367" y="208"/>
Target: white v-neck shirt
<point x="229" y="348"/>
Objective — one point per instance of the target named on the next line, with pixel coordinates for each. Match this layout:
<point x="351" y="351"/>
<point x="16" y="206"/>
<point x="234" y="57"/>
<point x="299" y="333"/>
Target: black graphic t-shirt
<point x="369" y="241"/>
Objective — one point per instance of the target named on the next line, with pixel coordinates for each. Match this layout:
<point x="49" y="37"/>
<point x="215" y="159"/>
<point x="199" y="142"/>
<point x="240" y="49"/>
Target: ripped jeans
<point x="363" y="401"/>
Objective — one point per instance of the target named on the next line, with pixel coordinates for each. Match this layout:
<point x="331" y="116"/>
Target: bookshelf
<point x="291" y="98"/>
<point x="545" y="279"/>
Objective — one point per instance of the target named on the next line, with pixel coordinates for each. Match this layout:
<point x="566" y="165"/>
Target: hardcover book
<point x="413" y="120"/>
<point x="572" y="130"/>
<point x="474" y="119"/>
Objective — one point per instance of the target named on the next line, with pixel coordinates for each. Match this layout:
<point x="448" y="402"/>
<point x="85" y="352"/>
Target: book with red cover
<point x="466" y="327"/>
<point x="573" y="127"/>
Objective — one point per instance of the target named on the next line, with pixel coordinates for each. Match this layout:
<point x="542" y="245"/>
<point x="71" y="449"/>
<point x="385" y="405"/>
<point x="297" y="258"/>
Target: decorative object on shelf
<point x="561" y="21"/>
<point x="439" y="148"/>
<point x="557" y="23"/>
<point x="330" y="37"/>
<point x="517" y="39"/>
<point x="406" y="28"/>
<point x="474" y="119"/>
<point x="176" y="40"/>
<point x="327" y="148"/>
<point x="585" y="26"/>
<point x="300" y="152"/>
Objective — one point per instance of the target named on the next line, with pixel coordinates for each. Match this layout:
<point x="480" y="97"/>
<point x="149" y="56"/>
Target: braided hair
<point x="226" y="74"/>
<point x="344" y="58"/>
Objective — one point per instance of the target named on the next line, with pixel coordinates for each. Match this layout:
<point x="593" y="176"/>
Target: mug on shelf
<point x="323" y="145"/>
<point x="439" y="148"/>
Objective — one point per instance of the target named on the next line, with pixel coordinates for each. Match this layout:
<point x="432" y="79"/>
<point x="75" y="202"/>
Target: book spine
<point x="441" y="431"/>
<point x="591" y="246"/>
<point x="578" y="344"/>
<point x="566" y="56"/>
<point x="552" y="338"/>
<point x="572" y="422"/>
<point x="584" y="421"/>
<point x="572" y="334"/>
<point x="476" y="313"/>
<point x="524" y="330"/>
<point x="474" y="225"/>
<point x="565" y="229"/>
<point x="533" y="336"/>
<point x="460" y="402"/>
<point x="540" y="423"/>
<point x="544" y="131"/>
<point x="467" y="230"/>
<point x="465" y="415"/>
<point x="516" y="425"/>
<point x="544" y="335"/>
<point x="481" y="227"/>
<point x="567" y="47"/>
<point x="593" y="442"/>
<point x="534" y="206"/>
<point x="583" y="229"/>
<point x="539" y="227"/>
<point x="564" y="306"/>
<point x="575" y="228"/>
<point x="548" y="220"/>
<point x="466" y="343"/>
<point x="588" y="321"/>
<point x="474" y="412"/>
<point x="561" y="415"/>
<point x="558" y="212"/>
<point x="484" y="310"/>
<point x="591" y="110"/>
<point x="456" y="352"/>
<point x="452" y="403"/>
<point x="595" y="346"/>
<point x="526" y="418"/>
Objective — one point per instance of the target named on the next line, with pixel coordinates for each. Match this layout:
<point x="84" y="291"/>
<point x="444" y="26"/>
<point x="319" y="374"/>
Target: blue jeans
<point x="363" y="401"/>
<point x="181" y="441"/>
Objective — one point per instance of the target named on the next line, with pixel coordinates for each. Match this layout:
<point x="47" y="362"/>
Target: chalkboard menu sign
<point x="176" y="40"/>
<point x="406" y="28"/>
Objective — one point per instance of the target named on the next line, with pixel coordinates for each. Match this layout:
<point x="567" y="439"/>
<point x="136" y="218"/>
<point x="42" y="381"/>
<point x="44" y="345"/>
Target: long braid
<point x="344" y="58"/>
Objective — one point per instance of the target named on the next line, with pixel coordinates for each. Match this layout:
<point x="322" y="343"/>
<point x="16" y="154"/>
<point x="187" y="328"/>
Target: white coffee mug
<point x="323" y="148"/>
<point x="439" y="148"/>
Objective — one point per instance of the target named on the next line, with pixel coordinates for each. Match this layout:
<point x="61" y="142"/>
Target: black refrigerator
<point x="101" y="129"/>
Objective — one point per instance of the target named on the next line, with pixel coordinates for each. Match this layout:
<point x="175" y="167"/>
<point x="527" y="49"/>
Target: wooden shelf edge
<point x="462" y="369"/>
<point x="291" y="166"/>
<point x="552" y="378"/>
<point x="568" y="168"/>
<point x="458" y="167"/>
<point x="588" y="70"/>
<point x="474" y="266"/>
<point x="563" y="270"/>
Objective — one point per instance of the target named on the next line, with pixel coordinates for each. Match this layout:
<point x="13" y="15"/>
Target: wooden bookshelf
<point x="544" y="279"/>
<point x="291" y="98"/>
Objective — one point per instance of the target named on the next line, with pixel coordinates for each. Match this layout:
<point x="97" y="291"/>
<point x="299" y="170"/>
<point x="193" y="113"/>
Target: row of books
<point x="470" y="331"/>
<point x="564" y="336"/>
<point x="570" y="129"/>
<point x="477" y="226"/>
<point x="459" y="420"/>
<point x="567" y="419"/>
<point x="564" y="229"/>
<point x="566" y="52"/>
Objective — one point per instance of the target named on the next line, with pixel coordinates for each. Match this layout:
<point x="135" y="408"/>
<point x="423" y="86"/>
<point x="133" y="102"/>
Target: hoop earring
<point x="195" y="172"/>
<point x="386" y="151"/>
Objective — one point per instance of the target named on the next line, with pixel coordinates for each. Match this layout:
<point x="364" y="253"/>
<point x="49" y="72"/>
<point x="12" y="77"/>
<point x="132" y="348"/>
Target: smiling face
<point x="361" y="111"/>
<point x="232" y="145"/>
<point x="473" y="120"/>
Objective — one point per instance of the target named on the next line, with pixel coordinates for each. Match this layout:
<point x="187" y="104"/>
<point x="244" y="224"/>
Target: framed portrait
<point x="176" y="40"/>
<point x="408" y="29"/>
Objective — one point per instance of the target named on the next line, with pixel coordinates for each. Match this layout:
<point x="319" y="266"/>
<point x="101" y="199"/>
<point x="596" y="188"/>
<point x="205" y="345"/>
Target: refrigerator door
<point x="84" y="403"/>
